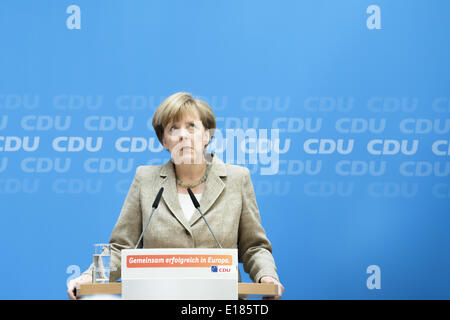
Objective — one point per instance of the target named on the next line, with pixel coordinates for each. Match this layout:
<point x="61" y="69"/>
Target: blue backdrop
<point x="354" y="96"/>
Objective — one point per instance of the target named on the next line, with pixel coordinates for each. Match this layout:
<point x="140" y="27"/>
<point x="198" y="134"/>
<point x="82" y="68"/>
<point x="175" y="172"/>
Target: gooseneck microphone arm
<point x="197" y="206"/>
<point x="154" y="206"/>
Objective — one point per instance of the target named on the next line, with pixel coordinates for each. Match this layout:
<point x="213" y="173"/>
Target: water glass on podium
<point x="102" y="259"/>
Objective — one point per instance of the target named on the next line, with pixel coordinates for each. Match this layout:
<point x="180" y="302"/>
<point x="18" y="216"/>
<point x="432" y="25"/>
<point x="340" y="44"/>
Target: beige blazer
<point x="228" y="204"/>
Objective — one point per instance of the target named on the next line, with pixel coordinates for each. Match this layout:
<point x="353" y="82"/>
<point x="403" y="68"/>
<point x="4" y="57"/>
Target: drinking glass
<point x="102" y="260"/>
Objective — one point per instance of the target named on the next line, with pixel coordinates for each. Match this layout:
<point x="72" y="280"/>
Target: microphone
<point x="154" y="206"/>
<point x="197" y="206"/>
<point x="158" y="198"/>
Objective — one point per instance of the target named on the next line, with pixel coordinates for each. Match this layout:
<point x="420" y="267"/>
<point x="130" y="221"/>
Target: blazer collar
<point x="213" y="188"/>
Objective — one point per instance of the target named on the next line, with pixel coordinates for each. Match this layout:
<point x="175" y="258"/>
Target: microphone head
<point x="193" y="198"/>
<point x="158" y="198"/>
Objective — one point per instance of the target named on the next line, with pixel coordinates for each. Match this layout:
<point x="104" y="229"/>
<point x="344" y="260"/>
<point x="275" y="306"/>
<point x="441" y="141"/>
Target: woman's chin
<point x="185" y="158"/>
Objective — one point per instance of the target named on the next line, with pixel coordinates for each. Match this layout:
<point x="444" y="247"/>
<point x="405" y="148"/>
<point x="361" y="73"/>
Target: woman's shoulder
<point x="236" y="170"/>
<point x="148" y="171"/>
<point x="231" y="170"/>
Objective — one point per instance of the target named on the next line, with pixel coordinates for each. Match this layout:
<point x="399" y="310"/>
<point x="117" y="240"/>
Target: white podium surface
<point x="182" y="274"/>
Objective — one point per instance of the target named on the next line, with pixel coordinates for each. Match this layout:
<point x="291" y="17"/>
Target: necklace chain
<point x="193" y="185"/>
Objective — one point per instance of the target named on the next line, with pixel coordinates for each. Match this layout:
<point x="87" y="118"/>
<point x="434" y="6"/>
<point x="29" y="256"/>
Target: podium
<point x="178" y="274"/>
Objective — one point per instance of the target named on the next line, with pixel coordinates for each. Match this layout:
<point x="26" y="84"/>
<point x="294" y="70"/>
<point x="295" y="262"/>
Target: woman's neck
<point x="190" y="173"/>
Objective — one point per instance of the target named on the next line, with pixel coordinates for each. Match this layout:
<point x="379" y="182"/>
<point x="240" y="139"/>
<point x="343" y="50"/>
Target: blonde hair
<point x="173" y="108"/>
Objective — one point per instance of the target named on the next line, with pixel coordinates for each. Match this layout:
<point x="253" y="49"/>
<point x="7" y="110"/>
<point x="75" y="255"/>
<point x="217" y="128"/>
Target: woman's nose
<point x="183" y="134"/>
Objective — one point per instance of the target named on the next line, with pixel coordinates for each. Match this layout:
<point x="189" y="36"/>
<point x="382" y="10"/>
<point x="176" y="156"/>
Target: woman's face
<point x="186" y="139"/>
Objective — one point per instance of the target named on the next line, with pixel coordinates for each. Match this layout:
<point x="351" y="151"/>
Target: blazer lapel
<point x="213" y="188"/>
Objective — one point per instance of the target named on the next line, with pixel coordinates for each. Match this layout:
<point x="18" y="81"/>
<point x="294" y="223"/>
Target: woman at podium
<point x="185" y="127"/>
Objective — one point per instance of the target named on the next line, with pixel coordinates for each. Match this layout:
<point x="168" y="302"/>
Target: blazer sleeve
<point x="127" y="230"/>
<point x="254" y="248"/>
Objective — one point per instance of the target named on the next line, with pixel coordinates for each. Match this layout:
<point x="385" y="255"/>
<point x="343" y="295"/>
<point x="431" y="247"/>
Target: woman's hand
<point x="274" y="281"/>
<point x="75" y="283"/>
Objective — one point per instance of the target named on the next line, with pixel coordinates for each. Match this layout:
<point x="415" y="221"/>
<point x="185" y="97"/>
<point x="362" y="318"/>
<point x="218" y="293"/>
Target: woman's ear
<point x="206" y="137"/>
<point x="164" y="143"/>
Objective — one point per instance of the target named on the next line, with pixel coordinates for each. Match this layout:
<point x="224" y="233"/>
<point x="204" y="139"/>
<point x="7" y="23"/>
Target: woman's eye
<point x="192" y="125"/>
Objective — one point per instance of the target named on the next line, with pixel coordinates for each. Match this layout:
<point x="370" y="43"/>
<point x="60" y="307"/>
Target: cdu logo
<point x="213" y="268"/>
